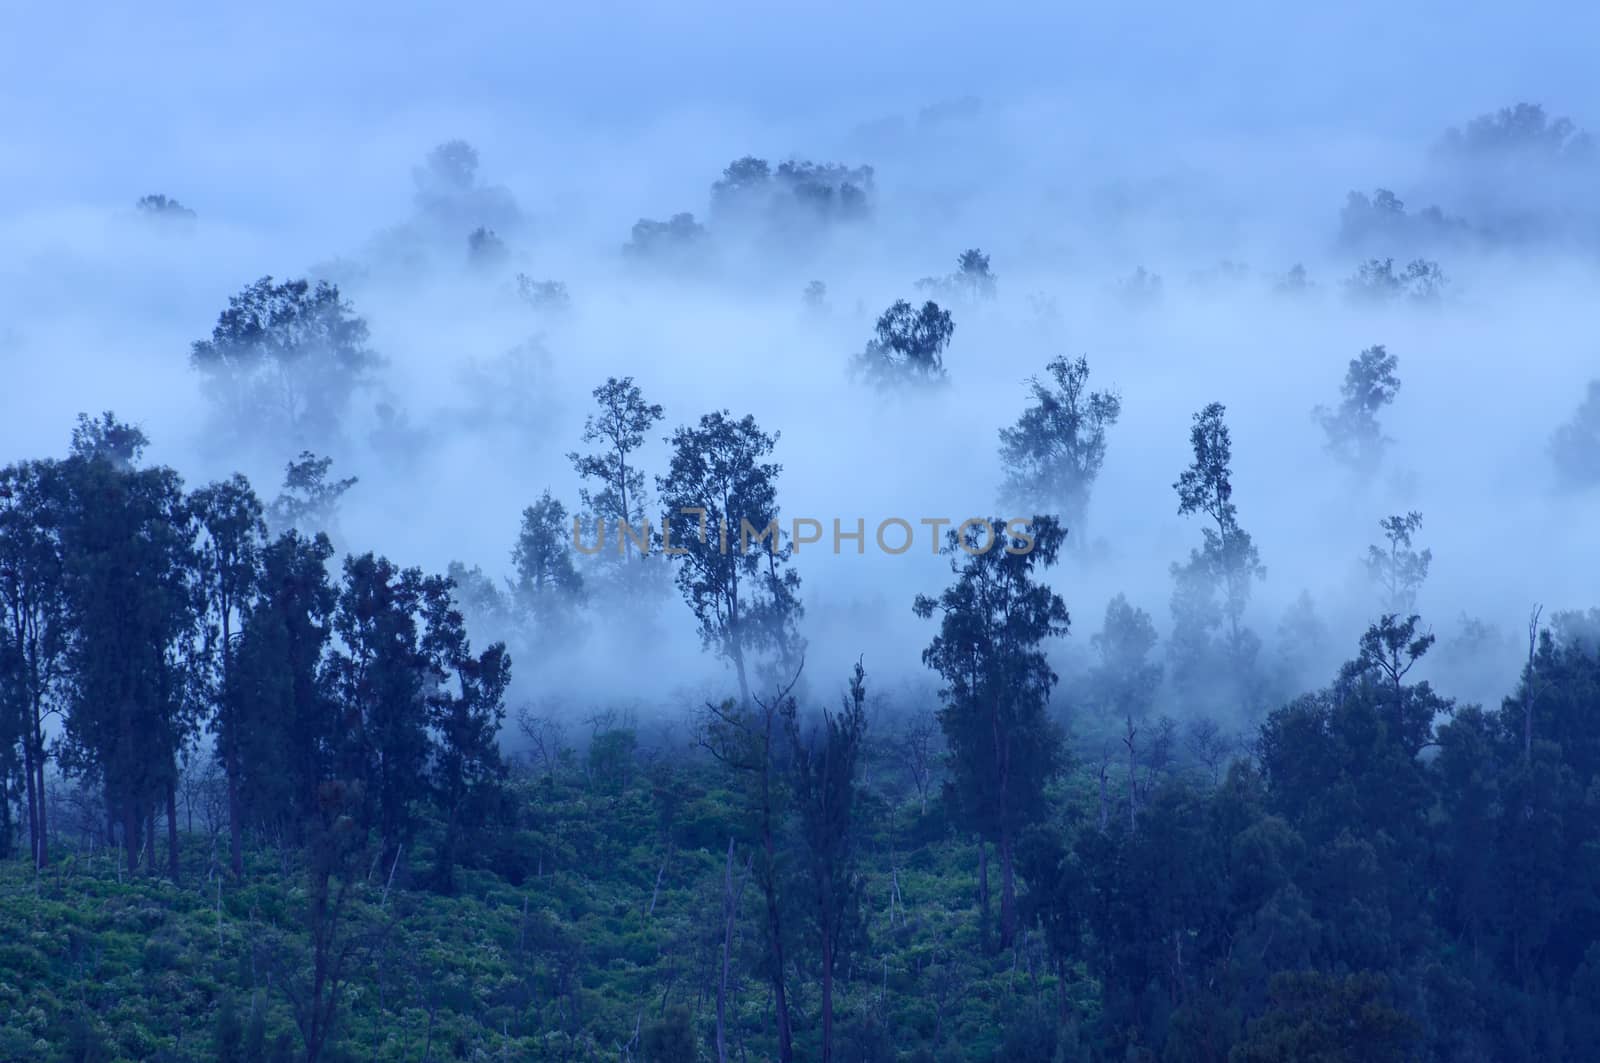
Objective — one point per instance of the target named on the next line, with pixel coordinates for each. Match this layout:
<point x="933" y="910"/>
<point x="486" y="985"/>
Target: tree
<point x="466" y="770"/>
<point x="1375" y="281"/>
<point x="284" y="709"/>
<point x="285" y="360"/>
<point x="680" y="241"/>
<point x="623" y="421"/>
<point x="34" y="627"/>
<point x="229" y="514"/>
<point x="309" y="500"/>
<point x="908" y="345"/>
<point x="733" y="561"/>
<point x="973" y="275"/>
<point x="994" y="621"/>
<point x="747" y="738"/>
<point x="545" y="297"/>
<point x="1354" y="436"/>
<point x="815" y="298"/>
<point x="485" y="249"/>
<point x="1318" y="1016"/>
<point x="451" y="199"/>
<point x="163" y="208"/>
<point x="382" y="677"/>
<point x="1053" y="454"/>
<point x="669" y="1039"/>
<point x="548" y="584"/>
<point x="1226" y="560"/>
<point x="128" y="544"/>
<point x="825" y="791"/>
<point x="1124" y="683"/>
<point x="336" y="856"/>
<point x="1398" y="569"/>
<point x="1575" y="447"/>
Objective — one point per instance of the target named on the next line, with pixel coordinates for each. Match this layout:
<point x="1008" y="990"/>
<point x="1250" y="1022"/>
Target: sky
<point x="1074" y="142"/>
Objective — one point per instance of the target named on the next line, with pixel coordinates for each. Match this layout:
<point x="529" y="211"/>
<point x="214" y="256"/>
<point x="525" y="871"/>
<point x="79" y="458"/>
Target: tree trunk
<point x="130" y="835"/>
<point x="983" y="885"/>
<point x="33" y="802"/>
<point x="44" y="804"/>
<point x="1008" y="891"/>
<point x="775" y="929"/>
<point x="231" y="759"/>
<point x="827" y="995"/>
<point x="172" y="828"/>
<point x="728" y="913"/>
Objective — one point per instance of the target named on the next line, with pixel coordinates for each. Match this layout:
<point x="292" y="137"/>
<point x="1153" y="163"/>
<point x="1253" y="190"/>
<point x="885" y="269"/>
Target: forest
<point x="684" y="575"/>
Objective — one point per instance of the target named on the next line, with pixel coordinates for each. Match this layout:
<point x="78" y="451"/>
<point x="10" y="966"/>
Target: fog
<point x="1073" y="146"/>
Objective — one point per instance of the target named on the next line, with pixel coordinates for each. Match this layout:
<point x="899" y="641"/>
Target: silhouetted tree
<point x="1123" y="683"/>
<point x="908" y="345"/>
<point x="1226" y="562"/>
<point x="1053" y="454"/>
<point x="1398" y="569"/>
<point x="994" y="621"/>
<point x="163" y="208"/>
<point x="1355" y="437"/>
<point x="283" y="703"/>
<point x="825" y="791"/>
<point x="465" y="712"/>
<point x="548" y="585"/>
<point x="234" y="533"/>
<point x="733" y="560"/>
<point x="1575" y="447"/>
<point x="285" y="360"/>
<point x="128" y="543"/>
<point x="620" y="427"/>
<point x="34" y="629"/>
<point x="381" y="676"/>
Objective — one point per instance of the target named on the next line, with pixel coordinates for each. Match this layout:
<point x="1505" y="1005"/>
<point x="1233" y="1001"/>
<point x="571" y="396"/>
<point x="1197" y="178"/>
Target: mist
<point x="1212" y="149"/>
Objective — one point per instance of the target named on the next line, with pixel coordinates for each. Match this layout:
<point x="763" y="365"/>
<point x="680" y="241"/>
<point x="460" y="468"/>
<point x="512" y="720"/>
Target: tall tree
<point x="1398" y="569"/>
<point x="1226" y="562"/>
<point x="283" y="711"/>
<point x="994" y="621"/>
<point x="620" y="427"/>
<point x="825" y="791"/>
<point x="465" y="712"/>
<point x="230" y="553"/>
<point x="33" y="624"/>
<point x="748" y="738"/>
<point x="734" y="570"/>
<point x="128" y="541"/>
<point x="548" y="584"/>
<point x="1053" y="454"/>
<point x="382" y="677"/>
<point x="285" y="360"/>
